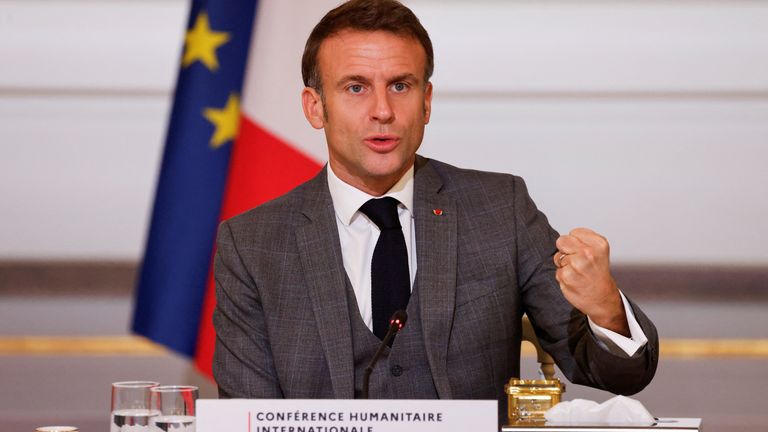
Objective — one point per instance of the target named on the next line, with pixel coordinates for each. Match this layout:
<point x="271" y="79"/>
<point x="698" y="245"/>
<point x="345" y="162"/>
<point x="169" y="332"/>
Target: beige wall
<point x="645" y="120"/>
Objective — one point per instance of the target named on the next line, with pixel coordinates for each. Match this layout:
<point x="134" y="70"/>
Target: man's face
<point x="374" y="107"/>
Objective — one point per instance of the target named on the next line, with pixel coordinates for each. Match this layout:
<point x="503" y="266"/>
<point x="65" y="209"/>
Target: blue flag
<point x="204" y="122"/>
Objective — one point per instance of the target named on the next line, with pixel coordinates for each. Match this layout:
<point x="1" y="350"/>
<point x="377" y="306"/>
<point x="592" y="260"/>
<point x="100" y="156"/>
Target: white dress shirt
<point x="358" y="236"/>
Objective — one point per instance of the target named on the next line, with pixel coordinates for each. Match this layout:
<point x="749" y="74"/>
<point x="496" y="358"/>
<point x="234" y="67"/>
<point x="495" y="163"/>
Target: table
<point x="662" y="424"/>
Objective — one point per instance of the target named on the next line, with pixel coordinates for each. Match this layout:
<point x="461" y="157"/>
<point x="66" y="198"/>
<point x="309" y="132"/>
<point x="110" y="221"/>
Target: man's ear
<point x="313" y="107"/>
<point x="427" y="102"/>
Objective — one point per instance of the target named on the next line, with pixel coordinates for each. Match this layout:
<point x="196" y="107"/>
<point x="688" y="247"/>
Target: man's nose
<point x="382" y="108"/>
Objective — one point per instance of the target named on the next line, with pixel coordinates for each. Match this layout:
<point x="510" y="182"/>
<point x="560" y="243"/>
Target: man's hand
<point x="584" y="275"/>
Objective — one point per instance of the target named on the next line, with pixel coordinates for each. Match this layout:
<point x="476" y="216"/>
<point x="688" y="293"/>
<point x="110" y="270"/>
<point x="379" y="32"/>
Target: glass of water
<point x="175" y="406"/>
<point x="131" y="408"/>
<point x="57" y="429"/>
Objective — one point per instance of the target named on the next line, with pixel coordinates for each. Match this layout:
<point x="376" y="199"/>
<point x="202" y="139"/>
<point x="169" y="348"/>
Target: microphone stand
<point x="396" y="323"/>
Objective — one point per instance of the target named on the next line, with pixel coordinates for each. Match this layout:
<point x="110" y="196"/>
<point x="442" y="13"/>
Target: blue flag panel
<point x="172" y="280"/>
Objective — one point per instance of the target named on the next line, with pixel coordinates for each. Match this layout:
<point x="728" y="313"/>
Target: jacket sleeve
<point x="562" y="329"/>
<point x="243" y="365"/>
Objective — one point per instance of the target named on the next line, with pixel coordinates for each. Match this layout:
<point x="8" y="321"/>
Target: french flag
<point x="236" y="138"/>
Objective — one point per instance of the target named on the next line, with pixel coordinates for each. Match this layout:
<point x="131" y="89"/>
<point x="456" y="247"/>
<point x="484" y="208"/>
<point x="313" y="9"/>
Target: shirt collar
<point x="347" y="199"/>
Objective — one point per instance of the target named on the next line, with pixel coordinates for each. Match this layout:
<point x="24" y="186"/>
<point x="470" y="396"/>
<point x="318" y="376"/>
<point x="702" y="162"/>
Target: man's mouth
<point x="382" y="143"/>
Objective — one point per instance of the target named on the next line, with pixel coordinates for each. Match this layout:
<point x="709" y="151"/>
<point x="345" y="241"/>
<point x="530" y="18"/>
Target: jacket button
<point x="396" y="370"/>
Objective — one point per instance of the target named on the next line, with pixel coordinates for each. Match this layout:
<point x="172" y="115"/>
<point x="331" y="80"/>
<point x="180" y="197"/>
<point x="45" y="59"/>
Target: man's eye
<point x="355" y="88"/>
<point x="400" y="87"/>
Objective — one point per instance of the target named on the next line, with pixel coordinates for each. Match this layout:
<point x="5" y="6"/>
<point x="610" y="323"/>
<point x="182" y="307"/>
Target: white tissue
<point x="617" y="410"/>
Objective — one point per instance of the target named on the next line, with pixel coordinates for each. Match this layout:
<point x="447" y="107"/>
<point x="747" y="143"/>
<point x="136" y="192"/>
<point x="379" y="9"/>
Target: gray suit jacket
<point x="282" y="321"/>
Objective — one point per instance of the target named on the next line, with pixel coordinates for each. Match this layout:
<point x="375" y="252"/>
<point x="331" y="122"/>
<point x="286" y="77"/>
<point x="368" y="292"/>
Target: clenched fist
<point x="584" y="275"/>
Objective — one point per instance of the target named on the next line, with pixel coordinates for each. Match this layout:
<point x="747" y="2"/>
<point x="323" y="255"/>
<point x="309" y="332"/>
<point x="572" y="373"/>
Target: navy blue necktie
<point x="390" y="277"/>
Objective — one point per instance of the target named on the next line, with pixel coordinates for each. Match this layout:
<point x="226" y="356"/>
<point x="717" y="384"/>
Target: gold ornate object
<point x="528" y="400"/>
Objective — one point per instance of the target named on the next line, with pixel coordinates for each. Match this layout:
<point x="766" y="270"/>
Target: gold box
<point x="528" y="400"/>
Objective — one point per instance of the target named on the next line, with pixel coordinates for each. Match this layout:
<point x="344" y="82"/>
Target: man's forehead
<point x="353" y="38"/>
<point x="350" y="48"/>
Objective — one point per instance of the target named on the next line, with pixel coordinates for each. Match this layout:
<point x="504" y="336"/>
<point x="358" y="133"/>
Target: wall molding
<point x="139" y="346"/>
<point x="692" y="283"/>
<point x="654" y="95"/>
<point x="67" y="278"/>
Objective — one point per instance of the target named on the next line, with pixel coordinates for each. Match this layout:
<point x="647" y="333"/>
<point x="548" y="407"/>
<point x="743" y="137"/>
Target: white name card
<point x="344" y="415"/>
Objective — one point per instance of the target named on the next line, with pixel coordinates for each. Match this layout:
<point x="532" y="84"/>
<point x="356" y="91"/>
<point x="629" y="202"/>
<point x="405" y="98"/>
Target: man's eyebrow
<point x="353" y="78"/>
<point x="361" y="79"/>
<point x="405" y="77"/>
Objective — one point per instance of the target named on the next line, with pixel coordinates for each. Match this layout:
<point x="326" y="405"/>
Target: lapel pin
<point x="437" y="212"/>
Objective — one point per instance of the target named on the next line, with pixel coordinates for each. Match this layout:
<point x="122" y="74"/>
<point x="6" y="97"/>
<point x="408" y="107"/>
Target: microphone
<point x="396" y="323"/>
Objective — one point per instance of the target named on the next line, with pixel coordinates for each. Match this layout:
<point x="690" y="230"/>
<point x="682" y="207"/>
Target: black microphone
<point x="396" y="323"/>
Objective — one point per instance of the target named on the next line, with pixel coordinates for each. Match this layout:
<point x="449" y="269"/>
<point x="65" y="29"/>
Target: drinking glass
<point x="131" y="408"/>
<point x="57" y="429"/>
<point x="175" y="407"/>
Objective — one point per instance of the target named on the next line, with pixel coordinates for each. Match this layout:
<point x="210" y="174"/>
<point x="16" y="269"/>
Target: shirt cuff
<point x="628" y="345"/>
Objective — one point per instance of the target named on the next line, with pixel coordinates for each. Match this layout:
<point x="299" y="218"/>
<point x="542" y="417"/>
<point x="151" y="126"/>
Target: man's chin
<point x="391" y="169"/>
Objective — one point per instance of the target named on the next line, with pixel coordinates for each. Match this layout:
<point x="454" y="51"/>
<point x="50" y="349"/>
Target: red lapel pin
<point x="437" y="212"/>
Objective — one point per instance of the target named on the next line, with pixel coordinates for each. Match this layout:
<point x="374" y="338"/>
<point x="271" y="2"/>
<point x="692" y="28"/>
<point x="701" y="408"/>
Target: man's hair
<point x="364" y="15"/>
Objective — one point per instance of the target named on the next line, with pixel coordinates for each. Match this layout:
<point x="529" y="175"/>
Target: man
<point x="299" y="310"/>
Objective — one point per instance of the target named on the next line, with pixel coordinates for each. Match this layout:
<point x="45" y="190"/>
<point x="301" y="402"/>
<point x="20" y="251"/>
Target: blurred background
<point x="646" y="121"/>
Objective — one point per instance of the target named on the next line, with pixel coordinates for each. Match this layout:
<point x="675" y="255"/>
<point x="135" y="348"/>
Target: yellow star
<point x="226" y="121"/>
<point x="201" y="43"/>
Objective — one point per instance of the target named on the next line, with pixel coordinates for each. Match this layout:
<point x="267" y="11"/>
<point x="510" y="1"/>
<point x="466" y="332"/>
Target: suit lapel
<point x="436" y="249"/>
<point x="320" y="252"/>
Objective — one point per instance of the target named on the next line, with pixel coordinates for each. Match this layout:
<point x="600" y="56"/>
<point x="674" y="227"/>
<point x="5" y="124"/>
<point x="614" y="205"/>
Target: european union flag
<point x="203" y="124"/>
